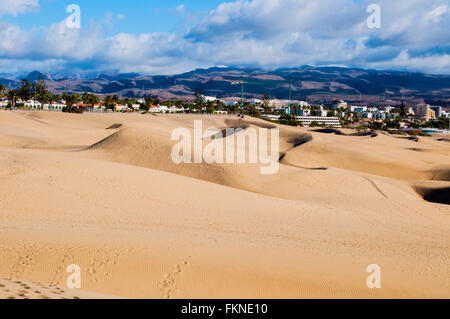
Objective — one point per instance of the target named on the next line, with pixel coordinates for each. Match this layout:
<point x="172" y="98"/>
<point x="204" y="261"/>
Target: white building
<point x="445" y="114"/>
<point x="174" y="109"/>
<point x="278" y="103"/>
<point x="33" y="104"/>
<point x="155" y="109"/>
<point x="335" y="104"/>
<point x="165" y="109"/>
<point x="308" y="120"/>
<point x="367" y="115"/>
<point x="303" y="104"/>
<point x="323" y="113"/>
<point x="220" y="112"/>
<point x="359" y="109"/>
<point x="301" y="112"/>
<point x="340" y="105"/>
<point x="388" y="109"/>
<point x="120" y="107"/>
<point x="327" y="121"/>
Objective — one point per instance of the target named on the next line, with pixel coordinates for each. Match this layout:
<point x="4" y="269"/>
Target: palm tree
<point x="25" y="89"/>
<point x="47" y="98"/>
<point x="73" y="100"/>
<point x="86" y="98"/>
<point x="65" y="96"/>
<point x="39" y="86"/>
<point x="12" y="96"/>
<point x="2" y="90"/>
<point x="33" y="91"/>
<point x="108" y="102"/>
<point x="94" y="99"/>
<point x="71" y="104"/>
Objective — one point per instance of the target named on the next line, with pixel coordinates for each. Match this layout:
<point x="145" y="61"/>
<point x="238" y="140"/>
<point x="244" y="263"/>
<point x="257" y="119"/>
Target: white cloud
<point x="275" y="33"/>
<point x="265" y="33"/>
<point x="15" y="7"/>
<point x="436" y="14"/>
<point x="436" y="64"/>
<point x="181" y="8"/>
<point x="12" y="40"/>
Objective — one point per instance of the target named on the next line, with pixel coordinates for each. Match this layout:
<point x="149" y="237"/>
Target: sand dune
<point x="100" y="191"/>
<point x="150" y="147"/>
<point x="381" y="155"/>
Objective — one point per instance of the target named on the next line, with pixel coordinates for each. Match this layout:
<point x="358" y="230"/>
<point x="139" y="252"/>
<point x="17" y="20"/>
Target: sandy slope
<point x="112" y="201"/>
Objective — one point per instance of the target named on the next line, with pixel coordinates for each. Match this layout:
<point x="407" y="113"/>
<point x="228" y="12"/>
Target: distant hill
<point x="34" y="76"/>
<point x="9" y="83"/>
<point x="313" y="84"/>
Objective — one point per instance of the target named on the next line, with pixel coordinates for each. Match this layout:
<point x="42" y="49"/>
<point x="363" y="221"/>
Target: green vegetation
<point x="71" y="104"/>
<point x="38" y="92"/>
<point x="2" y="90"/>
<point x="441" y="124"/>
<point x="12" y="97"/>
<point x="288" y="119"/>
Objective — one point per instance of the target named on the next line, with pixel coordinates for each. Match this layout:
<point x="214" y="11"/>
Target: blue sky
<point x="166" y="37"/>
<point x="139" y="16"/>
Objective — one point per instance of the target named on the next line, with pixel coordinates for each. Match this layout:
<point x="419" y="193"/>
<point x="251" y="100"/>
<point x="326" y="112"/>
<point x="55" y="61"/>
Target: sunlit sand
<point x="101" y="191"/>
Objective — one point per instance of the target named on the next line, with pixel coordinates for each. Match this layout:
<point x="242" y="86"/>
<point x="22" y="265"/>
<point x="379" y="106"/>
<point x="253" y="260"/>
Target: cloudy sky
<point x="172" y="36"/>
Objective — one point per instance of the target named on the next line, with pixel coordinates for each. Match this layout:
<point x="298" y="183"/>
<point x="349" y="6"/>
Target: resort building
<point x="120" y="107"/>
<point x="275" y="103"/>
<point x="33" y="104"/>
<point x="300" y="112"/>
<point x="303" y="104"/>
<point x="54" y="106"/>
<point x="437" y="110"/>
<point x="335" y="104"/>
<point x="358" y="109"/>
<point x="91" y="107"/>
<point x="321" y="120"/>
<point x="155" y="109"/>
<point x="221" y="112"/>
<point x="424" y="112"/>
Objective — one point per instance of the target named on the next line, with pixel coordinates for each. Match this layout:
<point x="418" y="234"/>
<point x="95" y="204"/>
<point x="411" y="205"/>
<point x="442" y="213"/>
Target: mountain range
<point x="313" y="84"/>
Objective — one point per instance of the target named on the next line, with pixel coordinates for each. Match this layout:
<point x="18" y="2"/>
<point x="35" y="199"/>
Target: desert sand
<point x="101" y="191"/>
<point x="16" y="289"/>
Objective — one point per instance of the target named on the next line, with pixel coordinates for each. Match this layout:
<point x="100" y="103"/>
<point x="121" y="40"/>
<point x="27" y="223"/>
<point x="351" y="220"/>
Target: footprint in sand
<point x="168" y="284"/>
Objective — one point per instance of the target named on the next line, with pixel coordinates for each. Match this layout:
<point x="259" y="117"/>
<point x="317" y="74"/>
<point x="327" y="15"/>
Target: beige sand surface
<point x="16" y="289"/>
<point x="113" y="202"/>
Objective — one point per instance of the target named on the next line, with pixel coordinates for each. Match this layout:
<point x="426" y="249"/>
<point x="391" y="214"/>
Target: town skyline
<point x="308" y="83"/>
